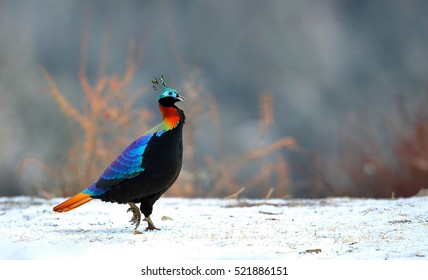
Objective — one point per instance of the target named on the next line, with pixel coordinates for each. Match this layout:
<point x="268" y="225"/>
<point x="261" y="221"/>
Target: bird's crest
<point x="156" y="84"/>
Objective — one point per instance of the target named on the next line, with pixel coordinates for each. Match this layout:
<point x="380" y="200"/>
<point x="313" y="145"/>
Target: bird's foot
<point x="136" y="217"/>
<point x="150" y="225"/>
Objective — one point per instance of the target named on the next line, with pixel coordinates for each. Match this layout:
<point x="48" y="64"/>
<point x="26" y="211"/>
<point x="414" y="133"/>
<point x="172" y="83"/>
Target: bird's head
<point x="169" y="96"/>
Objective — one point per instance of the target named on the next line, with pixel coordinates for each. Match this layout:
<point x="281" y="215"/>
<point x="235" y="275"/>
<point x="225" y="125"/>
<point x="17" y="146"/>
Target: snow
<point x="218" y="229"/>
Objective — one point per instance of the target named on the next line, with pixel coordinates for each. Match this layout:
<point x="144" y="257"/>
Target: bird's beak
<point x="181" y="98"/>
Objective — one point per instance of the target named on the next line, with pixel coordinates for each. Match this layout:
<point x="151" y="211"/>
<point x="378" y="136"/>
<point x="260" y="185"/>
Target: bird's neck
<point x="171" y="116"/>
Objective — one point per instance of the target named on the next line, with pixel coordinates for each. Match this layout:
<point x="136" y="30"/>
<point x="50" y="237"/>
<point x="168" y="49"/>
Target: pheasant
<point x="145" y="169"/>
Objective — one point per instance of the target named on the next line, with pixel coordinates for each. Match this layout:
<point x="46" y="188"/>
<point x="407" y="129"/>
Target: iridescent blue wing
<point x="129" y="163"/>
<point x="126" y="166"/>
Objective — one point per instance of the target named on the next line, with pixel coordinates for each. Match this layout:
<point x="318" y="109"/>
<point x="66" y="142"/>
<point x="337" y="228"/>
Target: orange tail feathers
<point x="73" y="202"/>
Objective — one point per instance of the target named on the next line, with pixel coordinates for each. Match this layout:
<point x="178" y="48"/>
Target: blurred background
<point x="285" y="98"/>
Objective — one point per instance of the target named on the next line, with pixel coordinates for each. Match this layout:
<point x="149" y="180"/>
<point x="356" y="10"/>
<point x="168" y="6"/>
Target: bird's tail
<point x="73" y="202"/>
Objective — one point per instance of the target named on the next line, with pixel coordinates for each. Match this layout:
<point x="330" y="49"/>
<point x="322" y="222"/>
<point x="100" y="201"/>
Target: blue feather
<point x="92" y="190"/>
<point x="129" y="163"/>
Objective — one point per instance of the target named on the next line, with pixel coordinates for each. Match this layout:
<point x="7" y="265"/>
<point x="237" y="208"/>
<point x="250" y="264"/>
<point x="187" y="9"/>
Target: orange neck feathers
<point x="170" y="116"/>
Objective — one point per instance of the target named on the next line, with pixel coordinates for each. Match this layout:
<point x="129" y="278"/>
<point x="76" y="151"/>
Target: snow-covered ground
<point x="207" y="229"/>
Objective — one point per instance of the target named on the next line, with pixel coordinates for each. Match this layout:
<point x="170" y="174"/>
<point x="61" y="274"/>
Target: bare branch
<point x="63" y="103"/>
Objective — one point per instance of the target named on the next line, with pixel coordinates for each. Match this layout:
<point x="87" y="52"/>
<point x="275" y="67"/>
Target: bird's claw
<point x="135" y="221"/>
<point x="150" y="225"/>
<point x="136" y="217"/>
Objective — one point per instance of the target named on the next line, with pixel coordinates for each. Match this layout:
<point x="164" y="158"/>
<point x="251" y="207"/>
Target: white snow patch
<point x="208" y="229"/>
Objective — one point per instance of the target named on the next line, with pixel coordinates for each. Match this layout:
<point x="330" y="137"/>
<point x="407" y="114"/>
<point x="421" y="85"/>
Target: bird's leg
<point x="150" y="224"/>
<point x="136" y="218"/>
